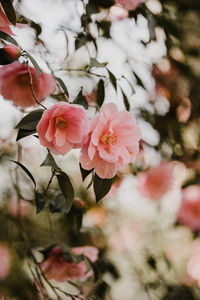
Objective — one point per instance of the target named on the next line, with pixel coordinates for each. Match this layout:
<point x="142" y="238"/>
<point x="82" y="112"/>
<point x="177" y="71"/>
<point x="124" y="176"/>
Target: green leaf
<point x="131" y="85"/>
<point x="95" y="64"/>
<point x="63" y="86"/>
<point x="84" y="173"/>
<point x="35" y="64"/>
<point x="101" y="186"/>
<point x="126" y="103"/>
<point x="59" y="205"/>
<point x="50" y="162"/>
<point x="81" y="100"/>
<point x="26" y="171"/>
<point x="23" y="133"/>
<point x="100" y="93"/>
<point x="8" y="38"/>
<point x="112" y="79"/>
<point x="39" y="201"/>
<point x="4" y="59"/>
<point x="139" y="81"/>
<point x="67" y="189"/>
<point x="30" y="121"/>
<point x="9" y="10"/>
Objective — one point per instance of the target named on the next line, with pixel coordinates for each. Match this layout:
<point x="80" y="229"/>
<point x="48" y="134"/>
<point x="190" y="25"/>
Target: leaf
<point x="63" y="86"/>
<point x="101" y="186"/>
<point x="95" y="64"/>
<point x="139" y="81"/>
<point x="112" y="79"/>
<point x="131" y="85"/>
<point x="81" y="40"/>
<point x="9" y="10"/>
<point x="67" y="189"/>
<point x="50" y="162"/>
<point x="100" y="93"/>
<point x="30" y="121"/>
<point x="151" y="26"/>
<point x="23" y="133"/>
<point x="26" y="171"/>
<point x="4" y="59"/>
<point x="35" y="64"/>
<point x="39" y="201"/>
<point x="126" y="103"/>
<point x="8" y="38"/>
<point x="81" y="100"/>
<point x="84" y="173"/>
<point x="59" y="205"/>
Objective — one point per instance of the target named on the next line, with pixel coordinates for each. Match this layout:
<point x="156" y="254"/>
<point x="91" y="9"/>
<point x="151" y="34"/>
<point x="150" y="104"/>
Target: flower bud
<point x="12" y="51"/>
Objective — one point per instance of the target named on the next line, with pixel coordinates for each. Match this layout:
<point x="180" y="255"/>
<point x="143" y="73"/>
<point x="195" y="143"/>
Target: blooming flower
<point x="58" y="268"/>
<point x="113" y="141"/>
<point x="156" y="182"/>
<point x="189" y="212"/>
<point x="117" y="12"/>
<point x="129" y="4"/>
<point x="15" y="84"/>
<point x="5" y="261"/>
<point x="63" y="126"/>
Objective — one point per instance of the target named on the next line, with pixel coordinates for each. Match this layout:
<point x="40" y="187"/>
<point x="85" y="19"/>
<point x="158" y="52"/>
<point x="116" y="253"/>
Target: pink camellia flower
<point x="129" y="4"/>
<point x="189" y="212"/>
<point x="113" y="141"/>
<point x="4" y="22"/>
<point x="5" y="261"/>
<point x="15" y="84"/>
<point x="63" y="126"/>
<point x="156" y="182"/>
<point x="57" y="268"/>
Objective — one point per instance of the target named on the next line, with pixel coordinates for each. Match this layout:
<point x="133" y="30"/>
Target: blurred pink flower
<point x="117" y="12"/>
<point x="112" y="143"/>
<point x="4" y="22"/>
<point x="63" y="126"/>
<point x="23" y="208"/>
<point x="15" y="84"/>
<point x="91" y="98"/>
<point x="155" y="182"/>
<point x="55" y="267"/>
<point x="189" y="212"/>
<point x="129" y="4"/>
<point x="5" y="261"/>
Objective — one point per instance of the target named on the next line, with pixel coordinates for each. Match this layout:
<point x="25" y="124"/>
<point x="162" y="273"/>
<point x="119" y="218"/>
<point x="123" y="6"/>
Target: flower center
<point x="24" y="80"/>
<point x="108" y="139"/>
<point x="61" y="123"/>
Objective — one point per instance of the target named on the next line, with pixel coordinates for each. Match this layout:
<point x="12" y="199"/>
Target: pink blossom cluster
<point x="56" y="267"/>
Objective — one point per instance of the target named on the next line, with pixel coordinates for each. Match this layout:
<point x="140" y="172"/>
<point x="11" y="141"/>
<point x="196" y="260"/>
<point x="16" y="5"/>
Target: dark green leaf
<point x="63" y="86"/>
<point x="151" y="25"/>
<point x="84" y="173"/>
<point x="30" y="121"/>
<point x="39" y="201"/>
<point x="101" y="186"/>
<point x="95" y="64"/>
<point x="50" y="162"/>
<point x="139" y="81"/>
<point x="126" y="103"/>
<point x="67" y="190"/>
<point x="35" y="64"/>
<point x="112" y="79"/>
<point x="4" y="59"/>
<point x="100" y="93"/>
<point x="81" y="40"/>
<point x="26" y="171"/>
<point x="9" y="10"/>
<point x="59" y="205"/>
<point x="7" y="37"/>
<point x="23" y="133"/>
<point x="131" y="85"/>
<point x="81" y="100"/>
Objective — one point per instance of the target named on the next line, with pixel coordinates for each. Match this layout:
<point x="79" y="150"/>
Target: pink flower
<point x="4" y="22"/>
<point x="63" y="126"/>
<point x="189" y="212"/>
<point x="156" y="182"/>
<point x="5" y="261"/>
<point x="129" y="4"/>
<point x="113" y="141"/>
<point x="55" y="267"/>
<point x="117" y="12"/>
<point x="15" y="84"/>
